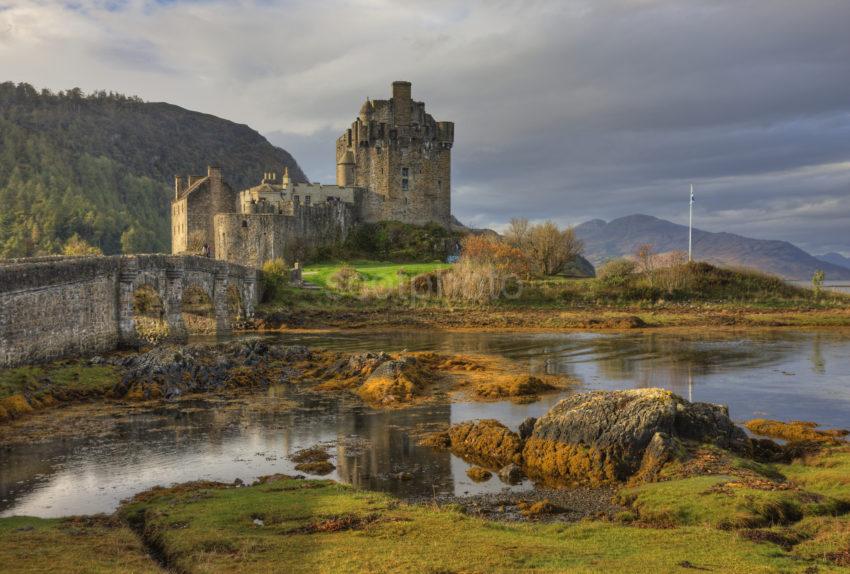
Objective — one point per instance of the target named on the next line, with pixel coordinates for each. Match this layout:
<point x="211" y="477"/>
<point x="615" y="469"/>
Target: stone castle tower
<point x="401" y="157"/>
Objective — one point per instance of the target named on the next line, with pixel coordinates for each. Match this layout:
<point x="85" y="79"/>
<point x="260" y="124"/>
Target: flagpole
<point x="691" y="226"/>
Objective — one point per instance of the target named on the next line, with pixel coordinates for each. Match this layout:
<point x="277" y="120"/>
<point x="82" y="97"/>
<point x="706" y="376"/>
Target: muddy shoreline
<point x="550" y="319"/>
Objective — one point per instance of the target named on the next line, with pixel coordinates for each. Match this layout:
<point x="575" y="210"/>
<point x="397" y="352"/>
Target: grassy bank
<point x="752" y="518"/>
<point x="29" y="388"/>
<point x="391" y="295"/>
<point x="95" y="544"/>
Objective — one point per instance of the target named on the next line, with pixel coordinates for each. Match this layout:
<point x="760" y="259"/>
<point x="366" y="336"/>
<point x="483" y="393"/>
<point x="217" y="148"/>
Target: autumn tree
<point x="518" y="232"/>
<point x="77" y="246"/>
<point x="551" y="249"/>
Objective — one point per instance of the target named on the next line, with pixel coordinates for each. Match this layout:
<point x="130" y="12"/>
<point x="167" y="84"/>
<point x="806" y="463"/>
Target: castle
<point x="393" y="163"/>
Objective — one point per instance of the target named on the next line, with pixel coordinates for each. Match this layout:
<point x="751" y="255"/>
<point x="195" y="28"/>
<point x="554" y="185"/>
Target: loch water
<point x="781" y="374"/>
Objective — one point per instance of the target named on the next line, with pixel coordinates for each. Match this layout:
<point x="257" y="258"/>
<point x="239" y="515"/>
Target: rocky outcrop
<point x="172" y="371"/>
<point x="395" y="381"/>
<point x="597" y="438"/>
<point x="605" y="436"/>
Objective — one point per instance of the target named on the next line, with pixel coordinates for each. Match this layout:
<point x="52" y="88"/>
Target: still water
<point x="777" y="374"/>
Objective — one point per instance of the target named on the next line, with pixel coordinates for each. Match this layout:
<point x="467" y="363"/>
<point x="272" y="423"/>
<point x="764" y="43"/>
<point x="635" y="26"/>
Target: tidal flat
<point x="397" y="505"/>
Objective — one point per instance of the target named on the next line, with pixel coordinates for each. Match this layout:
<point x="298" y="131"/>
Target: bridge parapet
<point x="52" y="307"/>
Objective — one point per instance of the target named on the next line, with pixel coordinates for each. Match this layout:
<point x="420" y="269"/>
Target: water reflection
<point x="779" y="374"/>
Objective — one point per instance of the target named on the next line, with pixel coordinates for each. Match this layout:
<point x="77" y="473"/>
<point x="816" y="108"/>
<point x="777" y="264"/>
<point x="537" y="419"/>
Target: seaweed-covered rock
<point x="488" y="442"/>
<point x="170" y="371"/>
<point x="604" y="436"/>
<point x="394" y="381"/>
<point x="359" y="364"/>
<point x="526" y="427"/>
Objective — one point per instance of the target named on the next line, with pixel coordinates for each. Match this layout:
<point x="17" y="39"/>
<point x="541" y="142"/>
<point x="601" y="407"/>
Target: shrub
<point x="477" y="282"/>
<point x="275" y="277"/>
<point x="395" y="241"/>
<point x="489" y="250"/>
<point x="616" y="273"/>
<point x="347" y="279"/>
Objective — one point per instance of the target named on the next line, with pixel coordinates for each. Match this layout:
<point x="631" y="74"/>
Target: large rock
<point x="605" y="436"/>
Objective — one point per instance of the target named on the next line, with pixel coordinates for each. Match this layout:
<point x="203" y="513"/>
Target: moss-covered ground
<point x="319" y="526"/>
<point x="757" y="518"/>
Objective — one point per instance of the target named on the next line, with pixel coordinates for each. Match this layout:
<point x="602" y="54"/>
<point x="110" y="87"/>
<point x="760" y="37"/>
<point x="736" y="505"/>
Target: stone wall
<point x="56" y="307"/>
<point x="253" y="239"/>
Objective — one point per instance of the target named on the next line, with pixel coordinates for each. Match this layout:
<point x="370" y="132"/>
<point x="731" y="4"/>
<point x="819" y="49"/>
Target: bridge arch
<point x="149" y="314"/>
<point x="198" y="310"/>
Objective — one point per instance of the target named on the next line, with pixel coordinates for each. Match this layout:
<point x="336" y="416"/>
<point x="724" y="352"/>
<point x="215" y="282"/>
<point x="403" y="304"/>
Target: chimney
<point x="178" y="186"/>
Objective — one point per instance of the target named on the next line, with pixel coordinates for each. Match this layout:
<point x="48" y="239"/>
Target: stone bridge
<point x="52" y="307"/>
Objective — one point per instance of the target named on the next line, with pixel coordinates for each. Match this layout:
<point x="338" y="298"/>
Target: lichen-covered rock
<point x="604" y="436"/>
<point x="488" y="442"/>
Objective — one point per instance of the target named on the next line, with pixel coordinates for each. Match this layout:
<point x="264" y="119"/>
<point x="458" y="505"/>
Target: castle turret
<point x="345" y="170"/>
<point x="402" y="103"/>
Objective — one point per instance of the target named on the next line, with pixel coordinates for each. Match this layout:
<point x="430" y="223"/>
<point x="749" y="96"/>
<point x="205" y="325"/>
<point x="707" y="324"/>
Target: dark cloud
<point x="568" y="110"/>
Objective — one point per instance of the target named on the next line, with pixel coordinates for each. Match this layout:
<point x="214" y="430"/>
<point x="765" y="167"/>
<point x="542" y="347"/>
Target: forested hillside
<point x="100" y="168"/>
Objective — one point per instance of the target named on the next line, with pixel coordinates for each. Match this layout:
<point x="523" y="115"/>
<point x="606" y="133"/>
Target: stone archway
<point x="197" y="310"/>
<point x="150" y="323"/>
<point x="235" y="306"/>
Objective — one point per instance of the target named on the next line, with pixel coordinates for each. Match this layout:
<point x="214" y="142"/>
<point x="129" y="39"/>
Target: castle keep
<point x="402" y="157"/>
<point x="393" y="163"/>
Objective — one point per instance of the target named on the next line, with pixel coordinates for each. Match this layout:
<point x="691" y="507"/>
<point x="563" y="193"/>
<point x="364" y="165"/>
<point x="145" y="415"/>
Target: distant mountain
<point x="835" y="259"/>
<point x="621" y="236"/>
<point x="102" y="166"/>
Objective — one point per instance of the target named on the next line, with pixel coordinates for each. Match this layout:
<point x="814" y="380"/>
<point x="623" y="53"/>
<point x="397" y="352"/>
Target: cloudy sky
<point x="569" y="110"/>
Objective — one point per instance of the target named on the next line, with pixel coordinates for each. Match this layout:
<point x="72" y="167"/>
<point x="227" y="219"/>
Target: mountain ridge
<point x="835" y="259"/>
<point x="620" y="237"/>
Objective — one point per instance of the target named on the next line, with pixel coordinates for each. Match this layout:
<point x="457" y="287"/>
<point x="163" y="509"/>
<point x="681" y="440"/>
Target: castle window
<point x="405" y="185"/>
<point x="296" y="199"/>
<point x="307" y="200"/>
<point x="405" y="172"/>
<point x="244" y="223"/>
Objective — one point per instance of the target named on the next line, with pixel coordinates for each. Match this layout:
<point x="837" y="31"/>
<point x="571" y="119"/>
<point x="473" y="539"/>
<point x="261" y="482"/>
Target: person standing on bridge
<point x="205" y="251"/>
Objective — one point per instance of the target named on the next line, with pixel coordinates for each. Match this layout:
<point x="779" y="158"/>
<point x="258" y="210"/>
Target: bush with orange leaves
<point x="493" y="251"/>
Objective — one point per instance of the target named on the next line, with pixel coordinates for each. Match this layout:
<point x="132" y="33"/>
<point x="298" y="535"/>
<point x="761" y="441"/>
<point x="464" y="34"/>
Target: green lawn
<point x="374" y="273"/>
